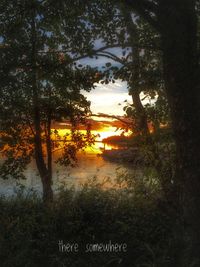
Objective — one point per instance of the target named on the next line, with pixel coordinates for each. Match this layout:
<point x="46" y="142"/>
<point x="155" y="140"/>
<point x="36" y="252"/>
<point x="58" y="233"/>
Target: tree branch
<point x="110" y="56"/>
<point x="111" y="117"/>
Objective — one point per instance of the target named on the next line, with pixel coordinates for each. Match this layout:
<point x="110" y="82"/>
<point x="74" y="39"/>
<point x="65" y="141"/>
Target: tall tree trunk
<point x="134" y="83"/>
<point x="48" y="143"/>
<point x="39" y="156"/>
<point x="141" y="116"/>
<point x="176" y="22"/>
<point x="178" y="26"/>
<point x="142" y="122"/>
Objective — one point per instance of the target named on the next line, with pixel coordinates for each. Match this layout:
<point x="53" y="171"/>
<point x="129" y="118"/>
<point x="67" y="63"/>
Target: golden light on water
<point x="101" y="134"/>
<point x="98" y="146"/>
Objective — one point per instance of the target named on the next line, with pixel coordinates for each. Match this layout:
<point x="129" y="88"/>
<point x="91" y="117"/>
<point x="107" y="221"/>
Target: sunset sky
<point x="105" y="98"/>
<point x="109" y="98"/>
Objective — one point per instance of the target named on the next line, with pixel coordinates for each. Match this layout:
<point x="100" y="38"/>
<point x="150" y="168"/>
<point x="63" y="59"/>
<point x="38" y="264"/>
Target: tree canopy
<point x="41" y="83"/>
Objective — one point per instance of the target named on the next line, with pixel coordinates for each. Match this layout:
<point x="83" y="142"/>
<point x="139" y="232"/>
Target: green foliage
<point x="30" y="232"/>
<point x="137" y="60"/>
<point x="40" y="84"/>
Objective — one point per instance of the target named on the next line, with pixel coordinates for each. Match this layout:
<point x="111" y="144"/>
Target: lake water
<point x="90" y="164"/>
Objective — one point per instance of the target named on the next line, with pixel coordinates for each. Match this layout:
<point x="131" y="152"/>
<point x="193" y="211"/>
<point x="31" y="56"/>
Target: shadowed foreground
<point x="30" y="232"/>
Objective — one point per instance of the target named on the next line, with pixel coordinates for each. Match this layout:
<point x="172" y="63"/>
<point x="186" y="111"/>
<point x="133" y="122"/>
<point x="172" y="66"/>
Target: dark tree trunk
<point x="49" y="145"/>
<point x="178" y="27"/>
<point x="142" y="122"/>
<point x="176" y="21"/>
<point x="39" y="156"/>
<point x="43" y="171"/>
<point x="134" y="83"/>
<point x="141" y="115"/>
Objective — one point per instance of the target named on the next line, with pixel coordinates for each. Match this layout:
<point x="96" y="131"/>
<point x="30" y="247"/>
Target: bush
<point x="30" y="232"/>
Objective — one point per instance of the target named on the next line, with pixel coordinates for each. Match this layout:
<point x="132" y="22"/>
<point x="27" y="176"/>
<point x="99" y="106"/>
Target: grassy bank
<point x="139" y="218"/>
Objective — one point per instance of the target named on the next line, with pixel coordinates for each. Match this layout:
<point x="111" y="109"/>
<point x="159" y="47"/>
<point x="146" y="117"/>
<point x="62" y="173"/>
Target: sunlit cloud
<point x="109" y="98"/>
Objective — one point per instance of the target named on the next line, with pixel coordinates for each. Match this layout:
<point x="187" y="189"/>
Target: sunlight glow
<point x="98" y="146"/>
<point x="101" y="134"/>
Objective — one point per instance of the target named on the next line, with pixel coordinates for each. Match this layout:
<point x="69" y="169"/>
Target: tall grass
<point x="134" y="213"/>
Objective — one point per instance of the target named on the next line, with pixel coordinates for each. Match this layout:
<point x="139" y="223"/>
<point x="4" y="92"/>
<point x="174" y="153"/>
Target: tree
<point x="176" y="23"/>
<point x="138" y="59"/>
<point x="139" y="63"/>
<point x="41" y="84"/>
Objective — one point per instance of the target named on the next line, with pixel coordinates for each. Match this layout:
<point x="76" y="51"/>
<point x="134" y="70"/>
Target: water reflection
<point x="89" y="165"/>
